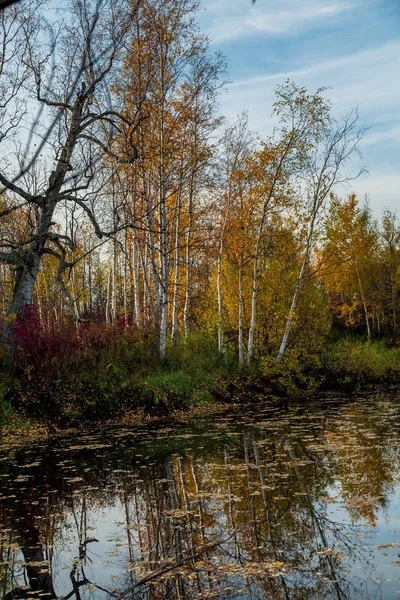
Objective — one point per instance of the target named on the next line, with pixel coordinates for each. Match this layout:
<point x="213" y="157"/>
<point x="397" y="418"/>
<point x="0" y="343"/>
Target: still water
<point x="298" y="502"/>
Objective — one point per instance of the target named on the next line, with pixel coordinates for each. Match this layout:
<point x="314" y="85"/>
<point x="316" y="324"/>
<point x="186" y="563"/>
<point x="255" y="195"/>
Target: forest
<point x="156" y="255"/>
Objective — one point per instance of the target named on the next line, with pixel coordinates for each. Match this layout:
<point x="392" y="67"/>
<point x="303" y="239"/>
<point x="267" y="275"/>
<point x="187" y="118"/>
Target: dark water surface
<point x="260" y="502"/>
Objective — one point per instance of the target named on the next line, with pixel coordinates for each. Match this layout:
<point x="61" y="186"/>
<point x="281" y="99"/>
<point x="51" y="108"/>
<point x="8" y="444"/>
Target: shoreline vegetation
<point x="115" y="374"/>
<point x="19" y="428"/>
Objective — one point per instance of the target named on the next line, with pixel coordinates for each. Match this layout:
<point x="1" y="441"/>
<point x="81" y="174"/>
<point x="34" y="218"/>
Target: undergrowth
<point x="98" y="371"/>
<point x="357" y="363"/>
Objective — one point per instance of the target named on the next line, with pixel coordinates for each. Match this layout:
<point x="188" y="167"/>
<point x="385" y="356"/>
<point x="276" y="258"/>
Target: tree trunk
<point x="175" y="300"/>
<point x="253" y="311"/>
<point x="394" y="314"/>
<point x="24" y="284"/>
<point x="136" y="284"/>
<point x="108" y="298"/>
<point x="295" y="299"/>
<point x="164" y="268"/>
<point x="363" y="303"/>
<point x="188" y="265"/>
<point x="252" y="327"/>
<point x="240" y="337"/>
<point x="126" y="271"/>
<point x="114" y="283"/>
<point x="29" y="266"/>
<point x="221" y="345"/>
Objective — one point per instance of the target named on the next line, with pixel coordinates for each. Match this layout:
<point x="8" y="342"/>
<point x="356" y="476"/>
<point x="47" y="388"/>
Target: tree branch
<point x="18" y="190"/>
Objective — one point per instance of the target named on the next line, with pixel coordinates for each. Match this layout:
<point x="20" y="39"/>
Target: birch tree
<point x="169" y="68"/>
<point x="236" y="142"/>
<point x="390" y="236"/>
<point x="282" y="159"/>
<point x="335" y="145"/>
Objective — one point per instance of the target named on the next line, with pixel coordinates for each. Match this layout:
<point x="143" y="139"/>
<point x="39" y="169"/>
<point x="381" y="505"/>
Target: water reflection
<point x="275" y="504"/>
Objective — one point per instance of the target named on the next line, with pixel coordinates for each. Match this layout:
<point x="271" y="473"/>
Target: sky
<point x="351" y="46"/>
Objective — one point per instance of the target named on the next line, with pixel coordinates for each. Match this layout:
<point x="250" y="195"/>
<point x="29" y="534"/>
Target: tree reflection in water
<point x="236" y="507"/>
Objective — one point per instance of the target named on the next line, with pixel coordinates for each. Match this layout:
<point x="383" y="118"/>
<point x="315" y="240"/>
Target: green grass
<point x="362" y="362"/>
<point x="104" y="380"/>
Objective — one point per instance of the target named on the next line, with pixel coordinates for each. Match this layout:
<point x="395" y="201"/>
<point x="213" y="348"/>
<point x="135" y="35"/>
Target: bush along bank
<point x="97" y="372"/>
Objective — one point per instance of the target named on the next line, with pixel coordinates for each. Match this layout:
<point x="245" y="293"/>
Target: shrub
<point x="95" y="370"/>
<point x="294" y="375"/>
<point x="362" y="362"/>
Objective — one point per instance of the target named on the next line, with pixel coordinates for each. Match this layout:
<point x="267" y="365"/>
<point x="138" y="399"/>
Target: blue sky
<point x="352" y="46"/>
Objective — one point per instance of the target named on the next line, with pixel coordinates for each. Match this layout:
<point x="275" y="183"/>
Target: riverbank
<point x="123" y="378"/>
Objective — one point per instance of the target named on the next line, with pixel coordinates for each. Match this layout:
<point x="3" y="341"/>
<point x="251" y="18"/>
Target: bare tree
<point x="85" y="119"/>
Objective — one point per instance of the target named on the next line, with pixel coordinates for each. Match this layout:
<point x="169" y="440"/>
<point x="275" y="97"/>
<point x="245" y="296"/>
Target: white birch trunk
<point x="188" y="267"/>
<point x="126" y="271"/>
<point x="295" y="299"/>
<point x="221" y="345"/>
<point x="114" y="283"/>
<point x="164" y="268"/>
<point x="136" y="284"/>
<point x="240" y="336"/>
<point x="152" y="246"/>
<point x="25" y="283"/>
<point x="393" y="291"/>
<point x="147" y="299"/>
<point x="108" y="298"/>
<point x="252" y="327"/>
<point x="363" y="302"/>
<point x="175" y="299"/>
<point x="90" y="282"/>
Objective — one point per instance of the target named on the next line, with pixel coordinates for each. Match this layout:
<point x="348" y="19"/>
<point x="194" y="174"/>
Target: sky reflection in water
<point x="260" y="502"/>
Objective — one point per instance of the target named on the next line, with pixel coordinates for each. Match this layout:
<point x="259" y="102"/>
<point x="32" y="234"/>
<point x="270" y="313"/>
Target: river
<point x="297" y="501"/>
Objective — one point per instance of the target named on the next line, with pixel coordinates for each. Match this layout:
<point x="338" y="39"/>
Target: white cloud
<point x="364" y="79"/>
<point x="224" y="20"/>
<point x="371" y="70"/>
<point x="383" y="190"/>
<point x="374" y="137"/>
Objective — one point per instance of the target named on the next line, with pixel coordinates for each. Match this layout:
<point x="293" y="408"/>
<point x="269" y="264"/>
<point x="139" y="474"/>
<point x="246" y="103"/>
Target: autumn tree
<point x="390" y="257"/>
<point x="235" y="146"/>
<point x="351" y="252"/>
<point x="332" y="147"/>
<point x="280" y="162"/>
<point x="170" y="70"/>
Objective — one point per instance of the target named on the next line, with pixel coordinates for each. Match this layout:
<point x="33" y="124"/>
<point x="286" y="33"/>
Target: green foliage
<point x="294" y="375"/>
<point x="167" y="388"/>
<point x="357" y="362"/>
<point x="352" y="363"/>
<point x="112" y="371"/>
